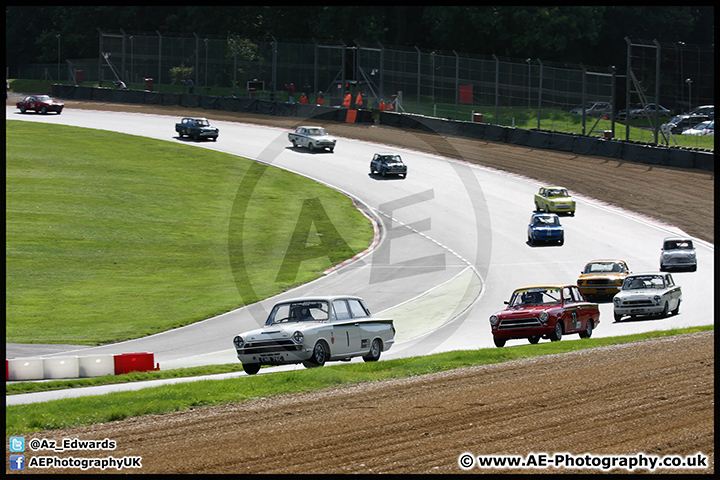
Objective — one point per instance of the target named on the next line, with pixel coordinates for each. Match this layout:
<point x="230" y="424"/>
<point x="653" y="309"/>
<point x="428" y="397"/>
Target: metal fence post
<point x="539" y="93"/>
<point x="159" y="82"/>
<point x="457" y="82"/>
<point x="497" y="89"/>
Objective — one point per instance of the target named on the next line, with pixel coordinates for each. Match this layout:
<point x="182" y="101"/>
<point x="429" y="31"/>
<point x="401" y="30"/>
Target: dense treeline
<point x="593" y="35"/>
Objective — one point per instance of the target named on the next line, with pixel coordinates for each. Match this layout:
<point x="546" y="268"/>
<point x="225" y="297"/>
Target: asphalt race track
<point x="453" y="245"/>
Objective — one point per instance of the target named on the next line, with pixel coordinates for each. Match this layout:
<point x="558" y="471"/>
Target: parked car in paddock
<point x="649" y="110"/>
<point x="313" y="138"/>
<point x="678" y="252"/>
<point x="40" y="104"/>
<point x="544" y="311"/>
<point x="703" y="128"/>
<point x="679" y="123"/>
<point x="647" y="294"/>
<point x="602" y="278"/>
<point x="594" y="109"/>
<point x="554" y="199"/>
<point x="315" y="330"/>
<point x="545" y="227"/>
<point x="708" y="110"/>
<point x="197" y="128"/>
<point x="388" y="164"/>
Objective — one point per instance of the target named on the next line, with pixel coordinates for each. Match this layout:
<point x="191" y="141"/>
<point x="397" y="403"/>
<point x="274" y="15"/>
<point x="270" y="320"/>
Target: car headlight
<point x="616" y="301"/>
<point x="580" y="282"/>
<point x="543" y="317"/>
<point x="494" y="320"/>
<point x="656" y="299"/>
<point x="298" y="337"/>
<point x="239" y="342"/>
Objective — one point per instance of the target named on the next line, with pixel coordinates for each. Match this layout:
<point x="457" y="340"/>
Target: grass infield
<point x="111" y="236"/>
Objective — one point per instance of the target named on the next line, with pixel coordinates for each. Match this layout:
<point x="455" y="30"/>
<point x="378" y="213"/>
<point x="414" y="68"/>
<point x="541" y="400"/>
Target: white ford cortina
<point x="315" y="330"/>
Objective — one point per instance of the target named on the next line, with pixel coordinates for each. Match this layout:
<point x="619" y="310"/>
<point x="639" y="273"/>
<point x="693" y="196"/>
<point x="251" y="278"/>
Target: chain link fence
<point x="449" y="85"/>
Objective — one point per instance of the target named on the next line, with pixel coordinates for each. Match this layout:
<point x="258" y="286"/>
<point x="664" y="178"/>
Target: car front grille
<point x="269" y="346"/>
<point x="603" y="281"/>
<point x="638" y="303"/>
<point x="510" y="323"/>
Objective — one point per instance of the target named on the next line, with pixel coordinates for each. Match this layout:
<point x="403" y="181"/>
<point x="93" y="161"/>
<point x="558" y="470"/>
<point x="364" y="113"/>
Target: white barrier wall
<point x="63" y="367"/>
<point x="25" y="369"/>
<point x="96" y="366"/>
<point x="20" y="369"/>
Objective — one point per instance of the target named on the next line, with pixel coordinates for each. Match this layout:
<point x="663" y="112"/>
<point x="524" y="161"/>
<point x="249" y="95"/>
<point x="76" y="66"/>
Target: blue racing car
<point x="545" y="227"/>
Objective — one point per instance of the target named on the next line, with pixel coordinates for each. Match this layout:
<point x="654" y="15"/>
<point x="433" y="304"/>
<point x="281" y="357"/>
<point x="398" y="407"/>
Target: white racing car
<point x="647" y="294"/>
<point x="315" y="330"/>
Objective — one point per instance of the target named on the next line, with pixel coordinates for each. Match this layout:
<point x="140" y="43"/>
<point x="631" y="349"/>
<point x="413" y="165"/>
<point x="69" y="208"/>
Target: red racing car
<point x="41" y="104"/>
<point x="545" y="311"/>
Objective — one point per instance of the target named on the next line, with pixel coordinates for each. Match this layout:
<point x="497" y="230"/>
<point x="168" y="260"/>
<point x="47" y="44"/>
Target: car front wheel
<point x="251" y="368"/>
<point x="499" y="342"/>
<point x="677" y="309"/>
<point x="557" y="334"/>
<point x="319" y="356"/>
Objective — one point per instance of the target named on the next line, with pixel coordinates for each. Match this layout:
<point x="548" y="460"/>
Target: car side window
<point x="577" y="296"/>
<point x="357" y="309"/>
<point x="341" y="310"/>
<point x="567" y="295"/>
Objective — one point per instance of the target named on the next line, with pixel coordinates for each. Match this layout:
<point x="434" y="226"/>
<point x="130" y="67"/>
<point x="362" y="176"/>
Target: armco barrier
<point x="579" y="144"/>
<point x="19" y="369"/>
<point x="209" y="102"/>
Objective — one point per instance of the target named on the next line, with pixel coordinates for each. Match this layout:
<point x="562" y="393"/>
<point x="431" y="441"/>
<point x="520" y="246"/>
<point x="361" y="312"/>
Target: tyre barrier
<point x="20" y="369"/>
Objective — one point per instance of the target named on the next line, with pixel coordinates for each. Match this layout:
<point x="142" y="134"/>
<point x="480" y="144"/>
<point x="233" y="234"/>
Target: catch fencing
<point x="451" y="85"/>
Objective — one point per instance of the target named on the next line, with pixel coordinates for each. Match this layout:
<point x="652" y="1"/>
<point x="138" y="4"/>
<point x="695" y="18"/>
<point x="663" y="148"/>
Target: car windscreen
<point x="604" y="267"/>
<point x="535" y="296"/>
<point x="644" y="282"/>
<point x="678" y="245"/>
<point x="545" y="220"/>
<point x="302" y="311"/>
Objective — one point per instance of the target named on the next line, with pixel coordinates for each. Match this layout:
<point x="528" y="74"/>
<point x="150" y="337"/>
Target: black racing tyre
<point x="499" y="342"/>
<point x="251" y="368"/>
<point x="374" y="353"/>
<point x="320" y="355"/>
<point x="587" y="333"/>
<point x="557" y="333"/>
<point x="666" y="311"/>
<point x="677" y="309"/>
